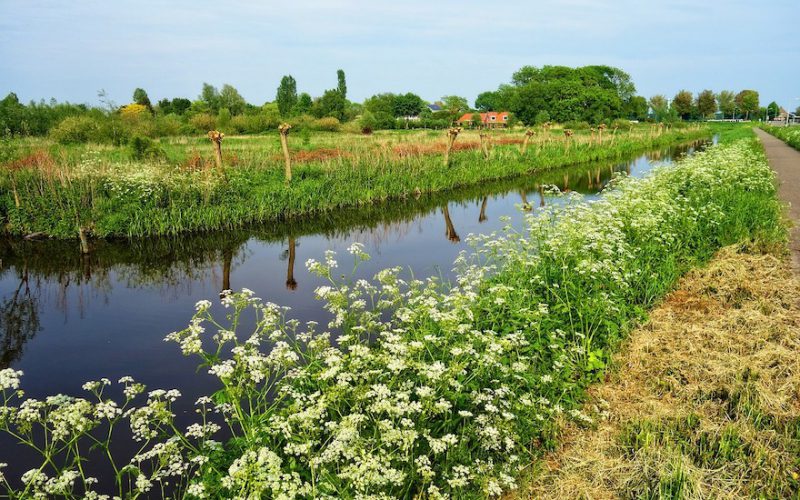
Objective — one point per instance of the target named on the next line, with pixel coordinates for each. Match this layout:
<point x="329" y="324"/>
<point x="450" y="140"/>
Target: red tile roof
<point x="490" y="117"/>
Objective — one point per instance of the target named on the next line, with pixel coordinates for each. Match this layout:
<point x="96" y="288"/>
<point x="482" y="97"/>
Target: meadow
<point x="415" y="388"/>
<point x="171" y="186"/>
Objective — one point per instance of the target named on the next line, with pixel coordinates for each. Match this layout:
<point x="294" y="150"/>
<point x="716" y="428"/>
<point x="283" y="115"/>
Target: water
<point x="67" y="318"/>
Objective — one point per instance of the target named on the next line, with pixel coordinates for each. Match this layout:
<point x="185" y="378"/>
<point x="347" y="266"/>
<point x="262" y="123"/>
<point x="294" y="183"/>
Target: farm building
<point x="488" y="119"/>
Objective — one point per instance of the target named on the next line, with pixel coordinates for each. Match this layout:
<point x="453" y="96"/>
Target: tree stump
<point x="216" y="141"/>
<point x="485" y="144"/>
<point x="452" y="133"/>
<point x="528" y="135"/>
<point x="568" y="133"/>
<point x="283" y="128"/>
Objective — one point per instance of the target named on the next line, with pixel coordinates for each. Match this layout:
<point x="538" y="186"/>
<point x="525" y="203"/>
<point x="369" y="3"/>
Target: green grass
<point x="97" y="188"/>
<point x="789" y="135"/>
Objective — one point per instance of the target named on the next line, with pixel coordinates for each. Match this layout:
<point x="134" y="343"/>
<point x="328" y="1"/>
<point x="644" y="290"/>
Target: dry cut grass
<point x="705" y="402"/>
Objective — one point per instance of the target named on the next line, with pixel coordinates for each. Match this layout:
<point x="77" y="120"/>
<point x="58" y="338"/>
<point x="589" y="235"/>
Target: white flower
<point x="9" y="379"/>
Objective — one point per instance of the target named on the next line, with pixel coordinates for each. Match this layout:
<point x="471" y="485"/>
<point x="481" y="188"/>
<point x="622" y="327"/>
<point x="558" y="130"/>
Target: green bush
<point x="621" y="124"/>
<point x="326" y="124"/>
<point x="142" y="148"/>
<point x="78" y="130"/>
<point x="542" y="117"/>
<point x="202" y="123"/>
<point x="577" y="125"/>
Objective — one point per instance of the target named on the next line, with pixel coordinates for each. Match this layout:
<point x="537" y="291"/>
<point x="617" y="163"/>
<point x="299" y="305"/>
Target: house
<point x="434" y="107"/>
<point x="488" y="119"/>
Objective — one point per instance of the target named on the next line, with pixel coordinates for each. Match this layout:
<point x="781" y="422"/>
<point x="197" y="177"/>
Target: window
<point x="505" y="117"/>
<point x="493" y="118"/>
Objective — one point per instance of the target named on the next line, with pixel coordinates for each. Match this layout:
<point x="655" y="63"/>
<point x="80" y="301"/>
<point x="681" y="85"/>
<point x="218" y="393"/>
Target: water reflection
<point x="19" y="320"/>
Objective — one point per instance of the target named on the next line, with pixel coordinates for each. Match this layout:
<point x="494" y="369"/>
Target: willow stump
<point x="216" y="141"/>
<point x="452" y="133"/>
<point x="283" y="128"/>
<point x="524" y="148"/>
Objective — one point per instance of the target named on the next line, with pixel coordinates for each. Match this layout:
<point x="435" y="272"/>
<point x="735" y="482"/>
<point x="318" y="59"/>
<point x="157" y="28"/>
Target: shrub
<point x="326" y="124"/>
<point x="577" y="125"/>
<point x="145" y="148"/>
<point x="621" y="124"/>
<point x="542" y="117"/>
<point x="77" y="129"/>
<point x="167" y="125"/>
<point x="202" y="123"/>
<point x="367" y="122"/>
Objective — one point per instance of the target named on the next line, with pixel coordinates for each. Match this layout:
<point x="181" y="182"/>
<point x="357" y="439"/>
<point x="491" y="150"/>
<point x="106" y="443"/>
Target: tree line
<point x="588" y="94"/>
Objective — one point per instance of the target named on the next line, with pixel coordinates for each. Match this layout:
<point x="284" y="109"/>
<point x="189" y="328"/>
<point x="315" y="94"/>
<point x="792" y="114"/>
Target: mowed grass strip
<point x="705" y="402"/>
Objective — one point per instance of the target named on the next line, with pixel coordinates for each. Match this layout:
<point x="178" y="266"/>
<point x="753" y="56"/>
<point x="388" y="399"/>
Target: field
<point x="173" y="186"/>
<point x="427" y="389"/>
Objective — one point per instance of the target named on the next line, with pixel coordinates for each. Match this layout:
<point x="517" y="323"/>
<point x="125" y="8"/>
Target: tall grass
<point x="417" y="389"/>
<point x="107" y="197"/>
<point x="789" y="135"/>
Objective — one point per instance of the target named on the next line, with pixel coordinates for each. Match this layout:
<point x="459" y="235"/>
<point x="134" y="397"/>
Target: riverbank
<point x="109" y="198"/>
<point x="703" y="402"/>
<point x="432" y="390"/>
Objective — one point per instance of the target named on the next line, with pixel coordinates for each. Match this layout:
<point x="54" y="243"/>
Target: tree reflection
<point x="525" y="205"/>
<point x="19" y="321"/>
<point x="482" y="216"/>
<point x="450" y="231"/>
<point x="291" y="284"/>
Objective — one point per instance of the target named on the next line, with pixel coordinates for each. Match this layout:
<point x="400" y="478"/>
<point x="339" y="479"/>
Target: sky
<point x="70" y="50"/>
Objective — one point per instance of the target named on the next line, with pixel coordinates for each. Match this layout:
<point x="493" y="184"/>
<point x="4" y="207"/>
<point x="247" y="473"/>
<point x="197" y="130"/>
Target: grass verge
<point x="789" y="135"/>
<point x="705" y="401"/>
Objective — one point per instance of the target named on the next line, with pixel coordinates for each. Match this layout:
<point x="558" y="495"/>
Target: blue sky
<point x="69" y="50"/>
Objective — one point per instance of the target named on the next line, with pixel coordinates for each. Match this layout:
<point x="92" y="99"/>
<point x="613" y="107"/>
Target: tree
<point x="286" y="97"/>
<point x="407" y="105"/>
<point x="706" y="104"/>
<point x="477" y="120"/>
<point x="658" y="103"/>
<point x="210" y="96"/>
<point x="682" y="103"/>
<point x="773" y="110"/>
<point x="342" y="83"/>
<point x="542" y="117"/>
<point x="488" y="101"/>
<point x="230" y="98"/>
<point x="747" y="101"/>
<point x="304" y="103"/>
<point x="180" y="105"/>
<point x="332" y="103"/>
<point x="455" y="104"/>
<point x="726" y="101"/>
<point x="635" y="108"/>
<point x="140" y="97"/>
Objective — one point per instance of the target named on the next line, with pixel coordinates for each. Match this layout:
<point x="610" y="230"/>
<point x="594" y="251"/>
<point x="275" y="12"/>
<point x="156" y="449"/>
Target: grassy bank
<point x="427" y="390"/>
<point x="56" y="191"/>
<point x="789" y="135"/>
<point x="704" y="401"/>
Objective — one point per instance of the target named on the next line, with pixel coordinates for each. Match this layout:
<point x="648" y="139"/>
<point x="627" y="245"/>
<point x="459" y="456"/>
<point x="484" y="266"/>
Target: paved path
<point x="785" y="160"/>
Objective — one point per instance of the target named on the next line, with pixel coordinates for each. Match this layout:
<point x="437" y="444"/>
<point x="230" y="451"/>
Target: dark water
<point x="67" y="318"/>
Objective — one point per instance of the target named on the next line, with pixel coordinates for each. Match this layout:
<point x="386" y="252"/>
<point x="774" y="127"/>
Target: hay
<point x="705" y="400"/>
